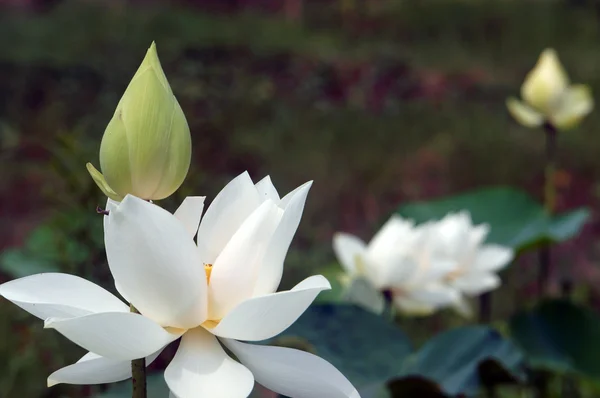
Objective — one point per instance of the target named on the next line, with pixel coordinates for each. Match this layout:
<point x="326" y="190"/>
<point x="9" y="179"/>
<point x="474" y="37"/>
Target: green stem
<point x="138" y="371"/>
<point x="549" y="202"/>
<point x="485" y="308"/>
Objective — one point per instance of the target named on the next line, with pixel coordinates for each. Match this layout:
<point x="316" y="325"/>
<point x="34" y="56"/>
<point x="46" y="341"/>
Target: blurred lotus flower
<point x="398" y="260"/>
<point x="222" y="289"/>
<point x="548" y="97"/>
<point x="146" y="147"/>
<point x="458" y="240"/>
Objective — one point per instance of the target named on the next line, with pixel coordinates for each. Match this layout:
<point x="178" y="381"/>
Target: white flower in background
<point x="458" y="240"/>
<point x="222" y="289"/>
<point x="549" y="97"/>
<point x="398" y="260"/>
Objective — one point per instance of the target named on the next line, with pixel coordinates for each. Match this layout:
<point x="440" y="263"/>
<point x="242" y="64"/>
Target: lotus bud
<point x="146" y="147"/>
<point x="548" y="97"/>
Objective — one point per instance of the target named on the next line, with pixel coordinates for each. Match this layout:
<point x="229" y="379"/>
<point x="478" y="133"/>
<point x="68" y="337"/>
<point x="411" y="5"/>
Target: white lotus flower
<point x="398" y="260"/>
<point x="222" y="289"/>
<point x="459" y="240"/>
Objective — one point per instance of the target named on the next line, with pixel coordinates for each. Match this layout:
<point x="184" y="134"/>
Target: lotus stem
<point x="138" y="371"/>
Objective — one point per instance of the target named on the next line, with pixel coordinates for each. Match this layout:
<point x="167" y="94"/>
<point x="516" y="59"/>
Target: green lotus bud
<point x="146" y="147"/>
<point x="548" y="96"/>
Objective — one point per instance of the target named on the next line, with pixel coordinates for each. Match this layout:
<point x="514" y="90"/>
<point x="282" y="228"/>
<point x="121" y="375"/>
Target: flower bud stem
<point x="549" y="203"/>
<point x="138" y="371"/>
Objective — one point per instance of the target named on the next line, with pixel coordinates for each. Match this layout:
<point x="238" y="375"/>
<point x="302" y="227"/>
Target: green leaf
<point x="362" y="293"/>
<point x="332" y="272"/>
<point x="560" y="336"/>
<point x="365" y="347"/>
<point x="515" y="218"/>
<point x="17" y="263"/>
<point x="156" y="388"/>
<point x="453" y="359"/>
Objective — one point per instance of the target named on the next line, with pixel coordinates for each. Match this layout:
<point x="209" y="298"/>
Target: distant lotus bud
<point x="548" y="96"/>
<point x="146" y="147"/>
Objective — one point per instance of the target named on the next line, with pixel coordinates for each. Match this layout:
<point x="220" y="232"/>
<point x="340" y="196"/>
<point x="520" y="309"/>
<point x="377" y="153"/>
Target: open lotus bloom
<point x="458" y="240"/>
<point x="222" y="289"/>
<point x="398" y="260"/>
<point x="548" y="97"/>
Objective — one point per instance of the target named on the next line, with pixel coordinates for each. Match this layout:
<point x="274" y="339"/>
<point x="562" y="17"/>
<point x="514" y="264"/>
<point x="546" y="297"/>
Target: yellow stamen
<point x="208" y="270"/>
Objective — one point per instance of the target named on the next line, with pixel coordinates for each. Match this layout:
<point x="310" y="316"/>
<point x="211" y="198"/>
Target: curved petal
<point x="155" y="263"/>
<point x="266" y="190"/>
<point x="260" y="318"/>
<point x="114" y="335"/>
<point x="291" y="372"/>
<point x="545" y="83"/>
<point x="435" y="294"/>
<point x="396" y="232"/>
<point x="347" y="247"/>
<point x="110" y="206"/>
<point x="363" y="293"/>
<point x="463" y="308"/>
<point x="412" y="307"/>
<point x="271" y="270"/>
<point x="449" y="235"/>
<point x="432" y="270"/>
<point x="492" y="258"/>
<point x="474" y="284"/>
<point x="94" y="369"/>
<point x="577" y="101"/>
<point x="235" y="271"/>
<point x="201" y="368"/>
<point x="60" y="295"/>
<point x="225" y="214"/>
<point x="189" y="213"/>
<point x="524" y="114"/>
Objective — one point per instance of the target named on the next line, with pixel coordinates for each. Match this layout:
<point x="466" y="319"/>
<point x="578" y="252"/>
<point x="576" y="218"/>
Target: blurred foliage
<point x="381" y="102"/>
<point x="365" y="347"/>
<point x="515" y="219"/>
<point x="454" y="360"/>
<point x="560" y="336"/>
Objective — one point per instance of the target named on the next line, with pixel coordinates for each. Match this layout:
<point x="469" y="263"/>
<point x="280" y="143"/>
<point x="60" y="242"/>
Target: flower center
<point x="208" y="271"/>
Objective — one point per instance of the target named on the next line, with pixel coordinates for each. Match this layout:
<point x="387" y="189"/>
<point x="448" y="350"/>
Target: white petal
<point x="94" y="369"/>
<point x="115" y="335"/>
<point x="190" y="212"/>
<point x="453" y="231"/>
<point x="363" y="293"/>
<point x="432" y="270"/>
<point x="395" y="232"/>
<point x="478" y="234"/>
<point x="347" y="247"/>
<point x="399" y="271"/>
<point x="412" y="307"/>
<point x="110" y="205"/>
<point x="266" y="190"/>
<point x="293" y="373"/>
<point x="576" y="102"/>
<point x="492" y="258"/>
<point x="524" y="114"/>
<point x="60" y="295"/>
<point x="463" y="308"/>
<point x="260" y="318"/>
<point x="235" y="271"/>
<point x="286" y="199"/>
<point x="435" y="294"/>
<point x="225" y="214"/>
<point x="155" y="263"/>
<point x="476" y="283"/>
<point x="201" y="368"/>
<point x="271" y="270"/>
